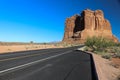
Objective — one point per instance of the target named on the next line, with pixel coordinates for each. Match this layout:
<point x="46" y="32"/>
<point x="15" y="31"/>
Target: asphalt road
<point x="46" y="64"/>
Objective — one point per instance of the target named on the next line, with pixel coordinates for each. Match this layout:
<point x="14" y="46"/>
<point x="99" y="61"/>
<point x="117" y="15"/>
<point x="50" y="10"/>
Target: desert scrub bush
<point x="107" y="56"/>
<point x="9" y="49"/>
<point x="114" y="49"/>
<point x="117" y="55"/>
<point x="98" y="43"/>
<point x="104" y="47"/>
<point x="117" y="44"/>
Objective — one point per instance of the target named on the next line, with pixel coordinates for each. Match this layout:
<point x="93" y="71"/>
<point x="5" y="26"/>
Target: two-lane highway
<point x="46" y="64"/>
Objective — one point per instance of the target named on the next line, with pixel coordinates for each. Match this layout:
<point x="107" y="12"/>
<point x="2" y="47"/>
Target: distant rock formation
<point x="89" y="24"/>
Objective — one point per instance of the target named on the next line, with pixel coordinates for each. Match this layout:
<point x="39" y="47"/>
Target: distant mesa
<point x="90" y="23"/>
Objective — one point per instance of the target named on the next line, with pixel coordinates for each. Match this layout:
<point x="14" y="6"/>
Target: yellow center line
<point x="19" y="57"/>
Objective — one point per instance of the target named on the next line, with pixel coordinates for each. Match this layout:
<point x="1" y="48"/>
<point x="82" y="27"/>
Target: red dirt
<point x="116" y="62"/>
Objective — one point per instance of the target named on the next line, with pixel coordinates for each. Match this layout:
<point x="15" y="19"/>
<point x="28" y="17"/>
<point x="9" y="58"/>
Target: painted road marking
<point x="34" y="62"/>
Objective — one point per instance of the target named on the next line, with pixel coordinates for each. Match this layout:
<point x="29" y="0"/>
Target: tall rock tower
<point x="90" y="23"/>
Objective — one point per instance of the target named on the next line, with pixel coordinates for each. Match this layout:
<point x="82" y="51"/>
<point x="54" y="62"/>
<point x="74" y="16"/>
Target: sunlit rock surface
<point x="90" y="23"/>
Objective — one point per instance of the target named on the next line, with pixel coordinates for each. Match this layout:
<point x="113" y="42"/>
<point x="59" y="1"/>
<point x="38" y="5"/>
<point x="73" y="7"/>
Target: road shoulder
<point x="104" y="68"/>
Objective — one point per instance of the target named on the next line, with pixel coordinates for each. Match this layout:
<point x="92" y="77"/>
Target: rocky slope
<point x="90" y="23"/>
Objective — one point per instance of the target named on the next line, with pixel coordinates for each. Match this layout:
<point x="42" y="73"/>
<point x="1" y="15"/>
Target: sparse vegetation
<point x="107" y="56"/>
<point x="31" y="42"/>
<point x="103" y="46"/>
<point x="9" y="49"/>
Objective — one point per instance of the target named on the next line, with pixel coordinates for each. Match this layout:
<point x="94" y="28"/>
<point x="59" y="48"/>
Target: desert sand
<point x="105" y="68"/>
<point x="14" y="48"/>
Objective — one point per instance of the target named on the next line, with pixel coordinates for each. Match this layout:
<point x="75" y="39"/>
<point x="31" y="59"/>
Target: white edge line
<point x="20" y="66"/>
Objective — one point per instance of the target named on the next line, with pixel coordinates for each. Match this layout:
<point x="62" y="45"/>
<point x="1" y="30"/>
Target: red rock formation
<point x="89" y="24"/>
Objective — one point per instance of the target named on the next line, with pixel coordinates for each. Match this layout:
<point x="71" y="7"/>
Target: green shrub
<point x="117" y="44"/>
<point x="107" y="56"/>
<point x="103" y="46"/>
<point x="98" y="43"/>
<point x="117" y="55"/>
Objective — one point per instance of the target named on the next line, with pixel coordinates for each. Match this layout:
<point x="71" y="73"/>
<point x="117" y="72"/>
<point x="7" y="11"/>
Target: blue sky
<point x="43" y="20"/>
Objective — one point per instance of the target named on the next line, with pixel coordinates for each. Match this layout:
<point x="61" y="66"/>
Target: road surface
<point x="47" y="64"/>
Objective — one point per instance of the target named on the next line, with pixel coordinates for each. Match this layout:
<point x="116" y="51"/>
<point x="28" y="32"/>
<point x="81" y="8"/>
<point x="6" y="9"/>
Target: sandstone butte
<point x="90" y="23"/>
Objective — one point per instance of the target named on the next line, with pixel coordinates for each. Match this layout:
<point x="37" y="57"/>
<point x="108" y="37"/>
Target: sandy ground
<point x="13" y="48"/>
<point x="116" y="62"/>
<point x="105" y="68"/>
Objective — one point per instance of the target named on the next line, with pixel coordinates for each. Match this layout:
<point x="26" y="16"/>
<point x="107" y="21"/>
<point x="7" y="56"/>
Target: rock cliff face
<point x="89" y="24"/>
